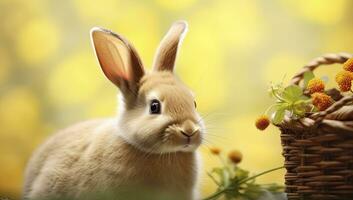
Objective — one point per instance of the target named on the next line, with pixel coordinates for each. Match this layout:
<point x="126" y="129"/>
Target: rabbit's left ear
<point x="168" y="48"/>
<point x="118" y="59"/>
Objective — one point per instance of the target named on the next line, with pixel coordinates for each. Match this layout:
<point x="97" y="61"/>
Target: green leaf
<point x="292" y="93"/>
<point x="307" y="77"/>
<point x="223" y="175"/>
<point x="240" y="173"/>
<point x="303" y="97"/>
<point x="299" y="109"/>
<point x="278" y="116"/>
<point x="241" y="186"/>
<point x="226" y="177"/>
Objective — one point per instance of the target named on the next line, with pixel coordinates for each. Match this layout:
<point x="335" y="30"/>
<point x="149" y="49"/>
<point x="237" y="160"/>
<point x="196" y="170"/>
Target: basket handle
<point x="311" y="66"/>
<point x="322" y="60"/>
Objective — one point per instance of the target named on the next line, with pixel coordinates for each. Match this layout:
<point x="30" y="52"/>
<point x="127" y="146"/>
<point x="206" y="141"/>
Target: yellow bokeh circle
<point x="75" y="80"/>
<point x="175" y="5"/>
<point x="20" y="112"/>
<point x="4" y="65"/>
<point x="37" y="41"/>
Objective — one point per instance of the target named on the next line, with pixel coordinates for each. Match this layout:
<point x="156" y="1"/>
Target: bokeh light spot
<point x="37" y="41"/>
<point x="75" y="80"/>
<point x="20" y="112"/>
<point x="105" y="10"/>
<point x="144" y="34"/>
<point x="317" y="11"/>
<point x="282" y="66"/>
<point x="4" y="65"/>
<point x="11" y="174"/>
<point x="176" y="5"/>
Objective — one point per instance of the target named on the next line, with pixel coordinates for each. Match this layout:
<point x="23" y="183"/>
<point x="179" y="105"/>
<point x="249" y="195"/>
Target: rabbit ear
<point x="168" y="48"/>
<point x="118" y="59"/>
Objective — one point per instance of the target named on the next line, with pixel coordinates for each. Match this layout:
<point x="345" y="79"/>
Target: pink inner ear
<point x="118" y="66"/>
<point x="117" y="57"/>
<point x="111" y="61"/>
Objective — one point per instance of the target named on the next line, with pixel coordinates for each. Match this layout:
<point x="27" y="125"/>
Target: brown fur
<point x="136" y="149"/>
<point x="89" y="154"/>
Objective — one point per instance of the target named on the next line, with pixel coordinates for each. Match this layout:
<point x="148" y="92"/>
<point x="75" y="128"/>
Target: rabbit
<point x="151" y="144"/>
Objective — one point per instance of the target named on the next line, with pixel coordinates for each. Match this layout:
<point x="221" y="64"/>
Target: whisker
<point x="216" y="136"/>
<point x="221" y="141"/>
<point x="213" y="114"/>
<point x="207" y="145"/>
<point x="208" y="142"/>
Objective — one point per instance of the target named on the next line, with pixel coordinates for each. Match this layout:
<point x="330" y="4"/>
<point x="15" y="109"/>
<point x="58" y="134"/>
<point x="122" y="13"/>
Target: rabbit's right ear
<point x="168" y="48"/>
<point x="118" y="59"/>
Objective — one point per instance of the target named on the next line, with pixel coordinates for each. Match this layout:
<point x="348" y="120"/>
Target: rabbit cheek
<point x="149" y="133"/>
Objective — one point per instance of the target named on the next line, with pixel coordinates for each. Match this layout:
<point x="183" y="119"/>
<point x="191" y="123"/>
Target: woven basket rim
<point x="313" y="119"/>
<point x="320" y="118"/>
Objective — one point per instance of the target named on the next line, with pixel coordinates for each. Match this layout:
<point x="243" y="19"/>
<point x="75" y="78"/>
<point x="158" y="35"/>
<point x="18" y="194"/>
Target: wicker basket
<point x="318" y="149"/>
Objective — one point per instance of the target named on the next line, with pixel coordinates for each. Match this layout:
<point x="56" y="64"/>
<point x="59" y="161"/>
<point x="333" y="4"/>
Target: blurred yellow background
<point x="49" y="77"/>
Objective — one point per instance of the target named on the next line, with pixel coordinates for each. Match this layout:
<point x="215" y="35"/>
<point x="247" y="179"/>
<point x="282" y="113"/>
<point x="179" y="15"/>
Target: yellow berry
<point x="344" y="75"/>
<point x="344" y="80"/>
<point x="345" y="86"/>
<point x="321" y="101"/>
<point x="262" y="122"/>
<point x="316" y="85"/>
<point x="235" y="156"/>
<point x="215" y="150"/>
<point x="348" y="65"/>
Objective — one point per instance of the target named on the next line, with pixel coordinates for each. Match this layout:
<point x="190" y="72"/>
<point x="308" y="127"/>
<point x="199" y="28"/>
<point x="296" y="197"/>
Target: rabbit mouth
<point x="188" y="146"/>
<point x="175" y="140"/>
<point x="188" y="141"/>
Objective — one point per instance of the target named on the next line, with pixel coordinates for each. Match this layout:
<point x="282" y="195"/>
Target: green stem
<point x="257" y="175"/>
<point x="222" y="160"/>
<point x="215" y="195"/>
<point x="276" y="95"/>
<point x="268" y="109"/>
<point x="213" y="178"/>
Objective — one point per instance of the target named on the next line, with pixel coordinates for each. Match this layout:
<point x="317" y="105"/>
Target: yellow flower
<point x="316" y="85"/>
<point x="348" y="65"/>
<point x="321" y="101"/>
<point x="344" y="80"/>
<point x="215" y="150"/>
<point x="262" y="122"/>
<point x="235" y="156"/>
<point x="345" y="86"/>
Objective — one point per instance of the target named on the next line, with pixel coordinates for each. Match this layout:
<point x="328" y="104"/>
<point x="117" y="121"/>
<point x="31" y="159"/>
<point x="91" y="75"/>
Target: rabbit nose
<point x="189" y="133"/>
<point x="188" y="129"/>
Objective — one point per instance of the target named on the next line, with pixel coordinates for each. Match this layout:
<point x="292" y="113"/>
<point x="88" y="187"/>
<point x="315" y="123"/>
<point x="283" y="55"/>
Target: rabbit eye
<point x="195" y="104"/>
<point x="155" y="107"/>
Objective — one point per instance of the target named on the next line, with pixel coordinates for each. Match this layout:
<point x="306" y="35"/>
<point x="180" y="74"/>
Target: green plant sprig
<point x="290" y="101"/>
<point x="235" y="182"/>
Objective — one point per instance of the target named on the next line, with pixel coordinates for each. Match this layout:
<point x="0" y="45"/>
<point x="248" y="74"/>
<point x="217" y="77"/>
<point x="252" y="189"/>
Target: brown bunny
<point x="151" y="144"/>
